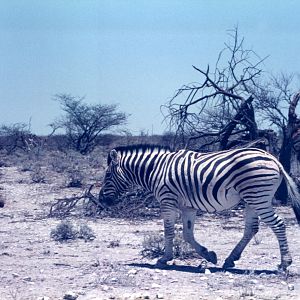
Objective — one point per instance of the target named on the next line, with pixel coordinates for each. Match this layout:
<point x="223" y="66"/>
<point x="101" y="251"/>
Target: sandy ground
<point x="33" y="266"/>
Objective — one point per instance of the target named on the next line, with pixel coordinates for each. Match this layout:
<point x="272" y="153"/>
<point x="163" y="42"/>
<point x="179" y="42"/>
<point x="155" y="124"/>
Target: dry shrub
<point x="154" y="246"/>
<point x="38" y="174"/>
<point x="66" y="231"/>
<point x="136" y="203"/>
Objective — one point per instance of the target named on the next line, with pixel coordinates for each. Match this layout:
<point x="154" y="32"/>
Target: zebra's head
<point x="115" y="181"/>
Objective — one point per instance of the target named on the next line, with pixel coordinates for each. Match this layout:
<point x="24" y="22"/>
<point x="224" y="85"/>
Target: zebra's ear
<point x="114" y="156"/>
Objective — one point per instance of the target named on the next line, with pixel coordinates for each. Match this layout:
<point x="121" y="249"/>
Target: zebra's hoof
<point x="286" y="261"/>
<point x="212" y="257"/>
<point x="163" y="261"/>
<point x="228" y="264"/>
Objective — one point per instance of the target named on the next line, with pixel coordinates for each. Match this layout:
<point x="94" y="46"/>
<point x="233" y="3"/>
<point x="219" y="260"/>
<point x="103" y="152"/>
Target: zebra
<point x="187" y="181"/>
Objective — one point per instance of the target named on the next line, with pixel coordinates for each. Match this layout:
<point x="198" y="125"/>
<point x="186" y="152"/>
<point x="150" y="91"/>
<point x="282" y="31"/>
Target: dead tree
<point x="274" y="99"/>
<point x="220" y="106"/>
<point x="285" y="154"/>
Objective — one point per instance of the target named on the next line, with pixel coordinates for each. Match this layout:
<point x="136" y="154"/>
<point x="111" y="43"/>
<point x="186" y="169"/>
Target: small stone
<point x="132" y="272"/>
<point x="203" y="278"/>
<point x="155" y="285"/>
<point x="193" y="280"/>
<point x="15" y="275"/>
<point x="114" y="280"/>
<point x="260" y="287"/>
<point x="291" y="287"/>
<point x="70" y="296"/>
<point x="207" y="271"/>
<point x="146" y="296"/>
<point x="159" y="296"/>
<point x="27" y="278"/>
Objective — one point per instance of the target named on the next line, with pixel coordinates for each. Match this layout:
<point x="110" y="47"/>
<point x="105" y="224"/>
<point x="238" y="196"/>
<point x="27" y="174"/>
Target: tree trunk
<point x="285" y="154"/>
<point x="244" y="116"/>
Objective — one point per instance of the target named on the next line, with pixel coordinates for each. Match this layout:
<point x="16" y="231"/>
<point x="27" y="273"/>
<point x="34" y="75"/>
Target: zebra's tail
<point x="293" y="192"/>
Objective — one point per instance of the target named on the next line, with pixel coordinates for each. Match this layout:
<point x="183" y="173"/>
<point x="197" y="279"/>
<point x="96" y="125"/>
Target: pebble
<point x="159" y="296"/>
<point x="260" y="287"/>
<point x="15" y="275"/>
<point x="70" y="296"/>
<point x="155" y="285"/>
<point x="291" y="287"/>
<point x="132" y="272"/>
<point x="207" y="271"/>
<point x="146" y="296"/>
<point x="27" y="278"/>
<point x="43" y="298"/>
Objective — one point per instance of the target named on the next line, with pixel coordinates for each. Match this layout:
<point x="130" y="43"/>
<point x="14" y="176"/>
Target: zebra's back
<point x="220" y="180"/>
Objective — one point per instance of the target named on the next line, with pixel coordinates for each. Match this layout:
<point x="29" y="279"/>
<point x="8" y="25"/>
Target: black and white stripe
<point x="212" y="182"/>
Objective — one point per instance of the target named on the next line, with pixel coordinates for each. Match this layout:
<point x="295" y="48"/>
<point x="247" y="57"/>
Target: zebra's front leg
<point x="188" y="219"/>
<point x="251" y="228"/>
<point x="169" y="233"/>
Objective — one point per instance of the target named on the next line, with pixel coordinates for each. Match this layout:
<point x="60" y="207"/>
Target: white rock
<point x="132" y="272"/>
<point x="155" y="285"/>
<point x="291" y="287"/>
<point x="203" y="278"/>
<point x="70" y="295"/>
<point x="207" y="271"/>
<point x="260" y="287"/>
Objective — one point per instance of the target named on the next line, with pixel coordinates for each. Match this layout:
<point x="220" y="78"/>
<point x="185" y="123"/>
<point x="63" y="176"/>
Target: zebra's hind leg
<point x="188" y="218"/>
<point x="251" y="228"/>
<point x="169" y="217"/>
<point x="268" y="216"/>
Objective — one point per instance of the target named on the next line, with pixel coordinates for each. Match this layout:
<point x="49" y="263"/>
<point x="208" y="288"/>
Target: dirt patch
<point x="111" y="266"/>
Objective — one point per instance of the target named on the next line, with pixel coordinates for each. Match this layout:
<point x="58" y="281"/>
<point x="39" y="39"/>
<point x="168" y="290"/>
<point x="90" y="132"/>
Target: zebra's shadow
<point x="192" y="269"/>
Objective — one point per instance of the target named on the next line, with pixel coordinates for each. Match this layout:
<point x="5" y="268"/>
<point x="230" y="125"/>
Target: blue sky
<point x="135" y="53"/>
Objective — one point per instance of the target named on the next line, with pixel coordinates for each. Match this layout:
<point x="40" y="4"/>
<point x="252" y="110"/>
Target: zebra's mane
<point x="139" y="147"/>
